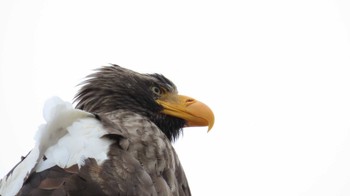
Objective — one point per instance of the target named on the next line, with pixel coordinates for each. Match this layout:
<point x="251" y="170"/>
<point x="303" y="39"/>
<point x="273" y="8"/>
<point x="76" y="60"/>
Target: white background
<point x="276" y="74"/>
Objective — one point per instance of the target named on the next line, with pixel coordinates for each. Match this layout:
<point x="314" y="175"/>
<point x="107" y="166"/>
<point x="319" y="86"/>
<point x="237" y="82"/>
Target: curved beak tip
<point x="211" y="122"/>
<point x="210" y="126"/>
<point x="202" y="115"/>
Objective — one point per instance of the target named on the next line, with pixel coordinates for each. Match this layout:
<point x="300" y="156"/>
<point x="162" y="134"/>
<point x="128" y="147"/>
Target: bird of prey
<point x="116" y="141"/>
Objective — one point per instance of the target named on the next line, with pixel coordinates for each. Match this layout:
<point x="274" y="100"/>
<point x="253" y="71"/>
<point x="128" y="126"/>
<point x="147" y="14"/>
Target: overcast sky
<point x="275" y="73"/>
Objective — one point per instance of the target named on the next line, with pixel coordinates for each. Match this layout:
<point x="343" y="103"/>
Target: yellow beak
<point x="194" y="112"/>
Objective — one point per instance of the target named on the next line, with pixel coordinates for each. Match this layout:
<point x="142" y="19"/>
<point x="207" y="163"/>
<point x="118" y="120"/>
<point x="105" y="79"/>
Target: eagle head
<point x="112" y="88"/>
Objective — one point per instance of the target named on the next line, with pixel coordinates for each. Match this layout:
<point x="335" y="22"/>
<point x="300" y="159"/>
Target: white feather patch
<point x="82" y="141"/>
<point x="68" y="137"/>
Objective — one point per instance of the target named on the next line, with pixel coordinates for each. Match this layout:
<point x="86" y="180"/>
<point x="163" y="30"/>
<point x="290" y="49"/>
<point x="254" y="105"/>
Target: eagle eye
<point x="156" y="90"/>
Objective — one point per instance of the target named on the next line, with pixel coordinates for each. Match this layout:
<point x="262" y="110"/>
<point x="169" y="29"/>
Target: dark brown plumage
<point x="115" y="88"/>
<point x="134" y="109"/>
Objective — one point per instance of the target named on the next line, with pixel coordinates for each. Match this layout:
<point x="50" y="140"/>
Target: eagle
<point x="117" y="140"/>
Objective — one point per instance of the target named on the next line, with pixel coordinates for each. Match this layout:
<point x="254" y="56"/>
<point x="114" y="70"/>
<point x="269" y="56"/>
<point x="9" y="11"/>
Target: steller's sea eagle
<point x="116" y="142"/>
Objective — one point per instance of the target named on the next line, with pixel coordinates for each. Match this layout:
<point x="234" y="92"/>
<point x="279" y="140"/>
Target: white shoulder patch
<point x="68" y="137"/>
<point x="82" y="141"/>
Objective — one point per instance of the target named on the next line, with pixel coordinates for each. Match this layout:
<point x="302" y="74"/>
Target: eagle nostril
<point x="189" y="101"/>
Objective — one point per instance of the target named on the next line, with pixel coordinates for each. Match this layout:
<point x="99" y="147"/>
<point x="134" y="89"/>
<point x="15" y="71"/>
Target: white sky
<point x="275" y="73"/>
